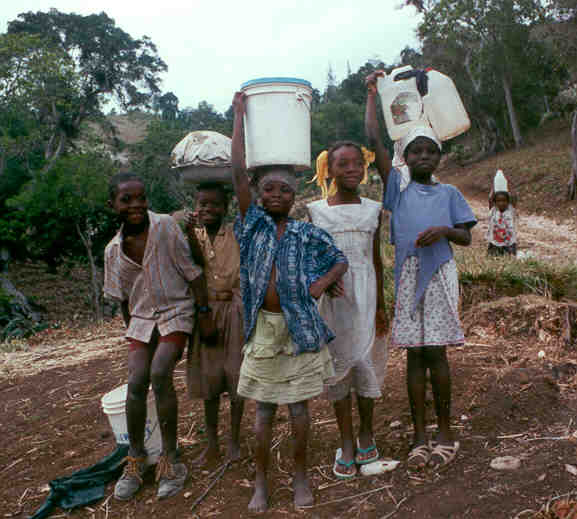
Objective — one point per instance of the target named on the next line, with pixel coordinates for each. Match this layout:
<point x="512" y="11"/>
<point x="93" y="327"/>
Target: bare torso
<point x="271" y="301"/>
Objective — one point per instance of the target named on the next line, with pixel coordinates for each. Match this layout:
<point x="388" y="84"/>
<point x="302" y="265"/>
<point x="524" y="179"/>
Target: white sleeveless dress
<point x="359" y="356"/>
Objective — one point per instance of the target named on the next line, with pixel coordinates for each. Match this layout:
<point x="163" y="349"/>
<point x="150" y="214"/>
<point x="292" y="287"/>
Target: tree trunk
<point x="51" y="155"/>
<point x="512" y="114"/>
<point x="572" y="185"/>
<point x="96" y="283"/>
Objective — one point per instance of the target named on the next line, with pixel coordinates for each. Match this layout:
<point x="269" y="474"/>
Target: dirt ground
<point x="507" y="400"/>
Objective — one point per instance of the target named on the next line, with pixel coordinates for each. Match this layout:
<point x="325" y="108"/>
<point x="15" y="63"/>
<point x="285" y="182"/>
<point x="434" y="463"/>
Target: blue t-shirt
<point x="415" y="209"/>
<point x="303" y="254"/>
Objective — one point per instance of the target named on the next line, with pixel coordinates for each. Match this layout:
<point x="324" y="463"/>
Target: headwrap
<point x="328" y="187"/>
<point x="401" y="145"/>
<point x="278" y="175"/>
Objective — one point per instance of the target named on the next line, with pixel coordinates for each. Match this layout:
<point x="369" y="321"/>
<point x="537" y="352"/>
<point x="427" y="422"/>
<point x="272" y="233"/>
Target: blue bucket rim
<point x="264" y="80"/>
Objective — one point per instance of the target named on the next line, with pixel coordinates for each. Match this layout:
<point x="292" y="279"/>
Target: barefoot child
<point x="358" y="318"/>
<point x="502" y="229"/>
<point x="213" y="368"/>
<point x="285" y="266"/>
<point x="149" y="271"/>
<point x="425" y="217"/>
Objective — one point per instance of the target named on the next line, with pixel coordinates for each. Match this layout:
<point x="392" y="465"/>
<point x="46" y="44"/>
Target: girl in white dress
<point x="357" y="318"/>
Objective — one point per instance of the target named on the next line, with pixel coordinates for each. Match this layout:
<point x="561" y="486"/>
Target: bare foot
<point x="233" y="451"/>
<point x="303" y="495"/>
<point x="259" y="501"/>
<point x="207" y="456"/>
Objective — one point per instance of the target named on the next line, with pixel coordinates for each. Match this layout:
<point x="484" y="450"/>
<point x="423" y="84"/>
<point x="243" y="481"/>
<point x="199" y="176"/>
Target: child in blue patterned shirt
<point x="285" y="265"/>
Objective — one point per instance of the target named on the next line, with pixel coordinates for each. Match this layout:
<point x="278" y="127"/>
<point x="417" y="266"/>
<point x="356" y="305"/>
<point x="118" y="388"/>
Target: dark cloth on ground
<point x="85" y="486"/>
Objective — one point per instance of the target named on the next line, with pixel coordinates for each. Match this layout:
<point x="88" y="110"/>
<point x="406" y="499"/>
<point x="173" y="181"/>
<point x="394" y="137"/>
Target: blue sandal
<point x="340" y="463"/>
<point x="370" y="448"/>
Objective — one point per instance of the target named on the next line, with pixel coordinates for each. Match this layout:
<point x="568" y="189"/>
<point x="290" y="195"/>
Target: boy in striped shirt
<point x="148" y="269"/>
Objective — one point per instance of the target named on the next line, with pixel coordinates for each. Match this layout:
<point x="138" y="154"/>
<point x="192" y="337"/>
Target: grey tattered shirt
<point x="158" y="291"/>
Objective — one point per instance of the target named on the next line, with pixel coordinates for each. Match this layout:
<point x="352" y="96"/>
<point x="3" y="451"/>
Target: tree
<point x="168" y="106"/>
<point x="108" y="63"/>
<point x="204" y="117"/>
<point x="562" y="33"/>
<point x="36" y="84"/>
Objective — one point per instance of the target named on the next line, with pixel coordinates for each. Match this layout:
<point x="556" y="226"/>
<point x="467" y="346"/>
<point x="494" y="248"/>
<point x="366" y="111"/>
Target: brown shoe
<point x="131" y="479"/>
<point x="170" y="477"/>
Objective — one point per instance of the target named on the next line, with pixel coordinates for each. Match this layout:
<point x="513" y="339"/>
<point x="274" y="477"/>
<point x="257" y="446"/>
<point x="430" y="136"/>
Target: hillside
<point x="538" y="172"/>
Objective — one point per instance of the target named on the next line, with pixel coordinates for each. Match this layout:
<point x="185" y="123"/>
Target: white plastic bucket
<point x="114" y="406"/>
<point x="402" y="103"/>
<point x="443" y="106"/>
<point x="277" y="123"/>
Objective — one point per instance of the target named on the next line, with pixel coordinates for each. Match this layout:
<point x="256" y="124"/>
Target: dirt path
<point x="506" y="401"/>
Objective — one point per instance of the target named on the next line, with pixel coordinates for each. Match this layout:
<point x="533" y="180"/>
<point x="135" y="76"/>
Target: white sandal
<point x="422" y="452"/>
<point x="446" y="453"/>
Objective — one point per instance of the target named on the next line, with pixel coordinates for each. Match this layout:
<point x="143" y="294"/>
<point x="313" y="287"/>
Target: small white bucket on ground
<point x="277" y="124"/>
<point x="114" y="406"/>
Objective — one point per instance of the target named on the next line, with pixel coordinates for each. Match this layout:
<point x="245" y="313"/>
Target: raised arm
<point x="373" y="131"/>
<point x="239" y="176"/>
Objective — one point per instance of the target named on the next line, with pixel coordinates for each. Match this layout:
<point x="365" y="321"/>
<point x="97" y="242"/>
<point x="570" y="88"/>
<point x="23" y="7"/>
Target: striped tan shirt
<point x="158" y="291"/>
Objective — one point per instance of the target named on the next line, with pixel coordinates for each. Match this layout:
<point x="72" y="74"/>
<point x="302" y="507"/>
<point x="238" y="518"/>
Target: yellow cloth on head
<point x="328" y="187"/>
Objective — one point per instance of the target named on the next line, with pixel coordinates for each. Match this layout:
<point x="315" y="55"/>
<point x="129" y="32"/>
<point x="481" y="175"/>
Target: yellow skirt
<point x="271" y="372"/>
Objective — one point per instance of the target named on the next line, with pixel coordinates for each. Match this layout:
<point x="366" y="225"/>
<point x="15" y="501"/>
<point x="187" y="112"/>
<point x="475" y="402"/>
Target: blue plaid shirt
<point x="302" y="255"/>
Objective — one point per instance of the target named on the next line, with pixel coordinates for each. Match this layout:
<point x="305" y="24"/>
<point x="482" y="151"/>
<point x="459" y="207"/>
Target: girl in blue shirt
<point x="425" y="217"/>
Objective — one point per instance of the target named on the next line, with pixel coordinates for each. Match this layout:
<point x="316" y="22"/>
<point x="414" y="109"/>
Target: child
<point x="149" y="271"/>
<point x="358" y="319"/>
<point x="284" y="266"/>
<point x="501" y="232"/>
<point x="214" y="368"/>
<point x="425" y="217"/>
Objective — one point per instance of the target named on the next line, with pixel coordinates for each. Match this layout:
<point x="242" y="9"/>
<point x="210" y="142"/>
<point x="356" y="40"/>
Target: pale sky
<point x="211" y="47"/>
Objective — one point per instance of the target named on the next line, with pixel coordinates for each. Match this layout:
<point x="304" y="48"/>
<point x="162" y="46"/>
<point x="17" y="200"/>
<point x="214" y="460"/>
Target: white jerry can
<point x="401" y="101"/>
<point x="443" y="107"/>
<point x="500" y="184"/>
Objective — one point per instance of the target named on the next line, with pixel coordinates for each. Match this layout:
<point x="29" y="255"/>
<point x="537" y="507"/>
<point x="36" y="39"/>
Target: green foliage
<point x="152" y="162"/>
<point x="58" y="70"/>
<point x="107" y="59"/>
<point x="36" y="83"/>
<point x="511" y="277"/>
<point x="52" y="207"/>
